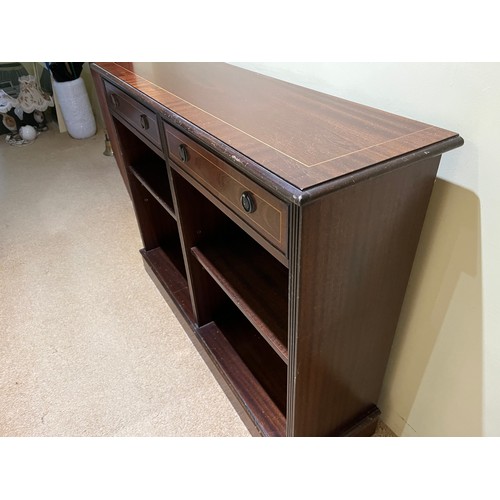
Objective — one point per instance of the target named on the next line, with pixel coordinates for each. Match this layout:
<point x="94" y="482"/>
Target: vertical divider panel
<point x="196" y="219"/>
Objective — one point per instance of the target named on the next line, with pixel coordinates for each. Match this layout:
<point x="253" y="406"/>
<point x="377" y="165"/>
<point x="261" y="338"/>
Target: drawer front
<point x="258" y="208"/>
<point x="135" y="114"/>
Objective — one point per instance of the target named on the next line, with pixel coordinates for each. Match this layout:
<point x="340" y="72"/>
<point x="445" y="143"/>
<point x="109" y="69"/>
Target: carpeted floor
<point x="88" y="347"/>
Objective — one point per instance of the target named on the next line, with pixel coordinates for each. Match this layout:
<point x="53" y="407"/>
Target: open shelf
<point x="151" y="172"/>
<point x="158" y="228"/>
<point x="145" y="165"/>
<point x="164" y="265"/>
<point x="257" y="376"/>
<point x="254" y="281"/>
<point x="171" y="248"/>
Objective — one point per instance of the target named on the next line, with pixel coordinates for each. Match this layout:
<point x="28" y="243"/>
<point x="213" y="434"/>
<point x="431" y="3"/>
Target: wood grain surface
<point x="303" y="136"/>
<point x="293" y="304"/>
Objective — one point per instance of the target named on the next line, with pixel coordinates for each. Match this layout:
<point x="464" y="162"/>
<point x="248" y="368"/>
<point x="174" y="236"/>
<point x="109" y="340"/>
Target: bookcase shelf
<point x="254" y="371"/>
<point x="280" y="224"/>
<point x="153" y="176"/>
<point x="267" y="310"/>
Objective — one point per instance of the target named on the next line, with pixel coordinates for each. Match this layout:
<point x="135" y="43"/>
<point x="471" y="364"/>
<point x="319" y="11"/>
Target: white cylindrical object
<point x="75" y="108"/>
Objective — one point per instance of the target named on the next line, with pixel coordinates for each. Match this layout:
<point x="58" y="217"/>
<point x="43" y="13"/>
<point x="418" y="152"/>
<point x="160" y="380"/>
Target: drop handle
<point x="114" y="100"/>
<point x="183" y="153"/>
<point x="144" y="122"/>
<point x="248" y="202"/>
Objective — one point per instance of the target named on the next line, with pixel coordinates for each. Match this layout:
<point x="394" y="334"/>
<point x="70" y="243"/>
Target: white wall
<point x="444" y="371"/>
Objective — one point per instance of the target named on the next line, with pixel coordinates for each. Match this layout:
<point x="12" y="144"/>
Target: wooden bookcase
<point x="280" y="224"/>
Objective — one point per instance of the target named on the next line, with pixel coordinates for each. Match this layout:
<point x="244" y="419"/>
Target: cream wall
<point x="444" y="370"/>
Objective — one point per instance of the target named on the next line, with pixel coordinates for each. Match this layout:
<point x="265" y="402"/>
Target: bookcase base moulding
<point x="280" y="224"/>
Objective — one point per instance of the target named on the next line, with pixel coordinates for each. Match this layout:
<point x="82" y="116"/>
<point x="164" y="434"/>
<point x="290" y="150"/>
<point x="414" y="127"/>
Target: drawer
<point x="254" y="205"/>
<point x="135" y="114"/>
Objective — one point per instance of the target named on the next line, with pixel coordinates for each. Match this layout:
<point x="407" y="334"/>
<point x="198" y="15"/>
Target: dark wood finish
<point x="157" y="226"/>
<point x="149" y="187"/>
<point x="197" y="217"/>
<point x="304" y="137"/>
<point x="278" y="254"/>
<point x="356" y="248"/>
<point x="269" y="218"/>
<point x="145" y="165"/>
<point x="171" y="284"/>
<point x="365" y="426"/>
<point x="281" y="225"/>
<point x="260" y="291"/>
<point x="256" y="374"/>
<point x="155" y="180"/>
<point x="141" y="119"/>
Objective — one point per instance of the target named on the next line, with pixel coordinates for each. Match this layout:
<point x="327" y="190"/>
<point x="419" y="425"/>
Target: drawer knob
<point x="248" y="202"/>
<point x="114" y="100"/>
<point x="144" y="122"/>
<point x="183" y="153"/>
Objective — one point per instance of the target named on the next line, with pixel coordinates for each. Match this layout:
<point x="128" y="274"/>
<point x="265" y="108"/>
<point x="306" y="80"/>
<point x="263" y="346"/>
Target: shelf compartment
<point x="171" y="248"/>
<point x="164" y="264"/>
<point x="255" y="282"/>
<point x="158" y="228"/>
<point x="151" y="172"/>
<point x="256" y="375"/>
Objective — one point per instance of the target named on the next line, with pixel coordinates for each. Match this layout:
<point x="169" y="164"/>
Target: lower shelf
<point x="171" y="283"/>
<point x="233" y="349"/>
<point x="259" y="385"/>
<point x="255" y="378"/>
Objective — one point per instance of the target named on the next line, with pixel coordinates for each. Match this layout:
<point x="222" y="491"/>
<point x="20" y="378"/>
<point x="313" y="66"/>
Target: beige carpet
<point x="88" y="347"/>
